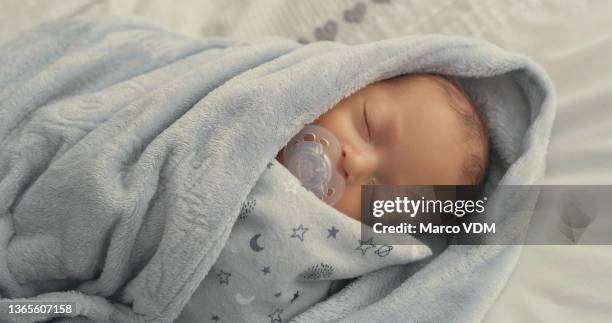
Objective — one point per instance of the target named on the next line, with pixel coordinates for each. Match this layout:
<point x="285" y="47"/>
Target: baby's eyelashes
<point x="367" y="124"/>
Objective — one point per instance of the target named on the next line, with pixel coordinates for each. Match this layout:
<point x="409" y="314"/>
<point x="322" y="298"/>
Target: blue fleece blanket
<point x="126" y="152"/>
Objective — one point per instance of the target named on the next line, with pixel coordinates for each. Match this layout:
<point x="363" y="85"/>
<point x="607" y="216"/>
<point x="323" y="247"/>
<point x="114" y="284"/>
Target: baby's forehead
<point x="441" y="84"/>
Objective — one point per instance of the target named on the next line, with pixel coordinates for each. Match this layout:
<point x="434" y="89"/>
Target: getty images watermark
<point x="495" y="215"/>
<point x="428" y="207"/>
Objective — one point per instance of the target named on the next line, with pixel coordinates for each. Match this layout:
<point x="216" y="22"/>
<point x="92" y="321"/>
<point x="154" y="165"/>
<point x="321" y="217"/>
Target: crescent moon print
<point x="254" y="245"/>
<point x="244" y="300"/>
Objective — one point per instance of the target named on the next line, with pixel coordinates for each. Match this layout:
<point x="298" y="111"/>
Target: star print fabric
<point x="283" y="254"/>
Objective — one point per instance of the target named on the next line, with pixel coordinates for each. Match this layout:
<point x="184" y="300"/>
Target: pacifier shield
<point x="311" y="156"/>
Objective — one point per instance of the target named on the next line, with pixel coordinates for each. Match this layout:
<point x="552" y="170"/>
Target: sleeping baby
<point x="409" y="130"/>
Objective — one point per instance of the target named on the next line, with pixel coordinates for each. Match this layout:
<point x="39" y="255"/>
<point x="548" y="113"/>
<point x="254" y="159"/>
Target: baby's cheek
<point x="350" y="202"/>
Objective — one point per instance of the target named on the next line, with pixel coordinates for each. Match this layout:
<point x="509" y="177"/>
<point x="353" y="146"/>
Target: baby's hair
<point x="475" y="167"/>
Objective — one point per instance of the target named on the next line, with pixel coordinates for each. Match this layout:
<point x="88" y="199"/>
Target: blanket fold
<point x="126" y="152"/>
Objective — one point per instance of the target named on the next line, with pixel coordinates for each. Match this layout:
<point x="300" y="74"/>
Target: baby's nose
<point x="357" y="167"/>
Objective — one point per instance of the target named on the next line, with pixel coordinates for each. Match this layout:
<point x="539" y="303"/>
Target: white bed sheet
<point x="572" y="40"/>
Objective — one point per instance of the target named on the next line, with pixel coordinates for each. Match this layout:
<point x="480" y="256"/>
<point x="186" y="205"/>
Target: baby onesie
<point x="283" y="254"/>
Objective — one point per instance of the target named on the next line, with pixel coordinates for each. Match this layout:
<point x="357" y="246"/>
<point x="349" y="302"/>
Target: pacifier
<point x="311" y="156"/>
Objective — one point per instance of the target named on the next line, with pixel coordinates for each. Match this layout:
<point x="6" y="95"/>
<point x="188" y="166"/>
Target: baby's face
<point x="398" y="132"/>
